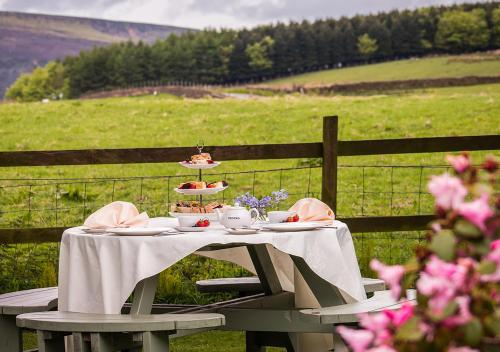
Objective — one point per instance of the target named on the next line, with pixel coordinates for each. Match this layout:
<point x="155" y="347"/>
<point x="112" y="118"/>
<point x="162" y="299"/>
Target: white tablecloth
<point x="98" y="273"/>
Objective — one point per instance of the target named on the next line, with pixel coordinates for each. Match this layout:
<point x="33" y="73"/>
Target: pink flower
<point x="462" y="349"/>
<point x="493" y="256"/>
<point x="436" y="227"/>
<point x="442" y="281"/>
<point x="426" y="330"/>
<point x="383" y="337"/>
<point x="460" y="163"/>
<point x="495" y="244"/>
<point x="448" y="191"/>
<point x="378" y="323"/>
<point x="440" y="291"/>
<point x="391" y="274"/>
<point x="455" y="274"/>
<point x="374" y="322"/>
<point x="463" y="316"/>
<point x="382" y="349"/>
<point x="400" y="316"/>
<point x="477" y="211"/>
<point x="358" y="340"/>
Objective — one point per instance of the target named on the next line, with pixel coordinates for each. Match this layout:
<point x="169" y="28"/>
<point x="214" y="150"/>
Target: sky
<point x="213" y="13"/>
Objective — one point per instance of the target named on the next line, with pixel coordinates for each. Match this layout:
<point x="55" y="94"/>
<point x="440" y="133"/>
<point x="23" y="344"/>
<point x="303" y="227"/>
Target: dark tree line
<point x="230" y="56"/>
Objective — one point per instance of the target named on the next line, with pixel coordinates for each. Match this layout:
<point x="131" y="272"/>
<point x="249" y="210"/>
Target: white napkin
<point x="116" y="214"/>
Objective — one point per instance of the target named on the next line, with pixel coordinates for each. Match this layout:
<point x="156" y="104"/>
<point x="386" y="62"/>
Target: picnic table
<point x="297" y="270"/>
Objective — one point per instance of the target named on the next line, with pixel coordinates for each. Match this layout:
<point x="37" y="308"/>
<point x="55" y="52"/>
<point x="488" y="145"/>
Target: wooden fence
<point x="329" y="150"/>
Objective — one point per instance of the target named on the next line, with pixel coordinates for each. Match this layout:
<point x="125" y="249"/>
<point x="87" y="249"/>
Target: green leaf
<point x="410" y="331"/>
<point x="481" y="248"/>
<point x="473" y="332"/>
<point x="448" y="311"/>
<point x="443" y="244"/>
<point x="467" y="229"/>
<point x="492" y="323"/>
<point x="486" y="267"/>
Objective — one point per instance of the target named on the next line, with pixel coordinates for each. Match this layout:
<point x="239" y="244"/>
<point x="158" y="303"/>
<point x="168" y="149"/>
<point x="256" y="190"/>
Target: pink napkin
<point x="116" y="214"/>
<point x="312" y="209"/>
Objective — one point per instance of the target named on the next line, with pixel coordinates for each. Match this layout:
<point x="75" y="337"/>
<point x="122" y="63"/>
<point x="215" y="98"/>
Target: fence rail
<point x="329" y="150"/>
<point x="249" y="152"/>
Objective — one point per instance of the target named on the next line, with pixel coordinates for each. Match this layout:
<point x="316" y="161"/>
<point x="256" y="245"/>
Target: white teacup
<point x="188" y="221"/>
<point x="279" y="216"/>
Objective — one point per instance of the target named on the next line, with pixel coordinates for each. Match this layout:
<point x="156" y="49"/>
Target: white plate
<point x="249" y="231"/>
<point x="292" y="226"/>
<point x="191" y="229"/>
<point x="88" y="230"/>
<point x="197" y="192"/>
<point x="209" y="216"/>
<point x="199" y="166"/>
<point x="138" y="231"/>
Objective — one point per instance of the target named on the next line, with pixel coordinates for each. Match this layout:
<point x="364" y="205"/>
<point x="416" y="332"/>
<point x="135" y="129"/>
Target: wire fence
<point x="363" y="190"/>
<point x="367" y="190"/>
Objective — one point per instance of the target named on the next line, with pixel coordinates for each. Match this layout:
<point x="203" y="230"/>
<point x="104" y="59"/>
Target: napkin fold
<point x="116" y="214"/>
<point x="312" y="209"/>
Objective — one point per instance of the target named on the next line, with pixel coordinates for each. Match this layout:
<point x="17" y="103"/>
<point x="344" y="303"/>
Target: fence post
<point x="330" y="154"/>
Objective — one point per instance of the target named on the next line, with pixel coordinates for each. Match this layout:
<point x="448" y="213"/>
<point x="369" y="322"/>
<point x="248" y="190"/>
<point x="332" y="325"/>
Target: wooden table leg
<point x="144" y="295"/>
<point x="263" y="264"/>
<point x="142" y="303"/>
<point x="10" y="334"/>
<point x="326" y="294"/>
<point x="269" y="279"/>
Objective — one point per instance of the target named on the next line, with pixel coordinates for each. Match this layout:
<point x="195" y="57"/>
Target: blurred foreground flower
<point x="456" y="273"/>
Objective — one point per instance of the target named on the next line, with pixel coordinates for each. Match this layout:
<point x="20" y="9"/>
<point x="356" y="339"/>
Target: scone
<point x="219" y="184"/>
<point x="193" y="185"/>
<point x="202" y="158"/>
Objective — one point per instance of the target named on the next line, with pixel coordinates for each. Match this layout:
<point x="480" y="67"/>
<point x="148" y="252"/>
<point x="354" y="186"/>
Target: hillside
<point x="27" y="40"/>
<point x="480" y="64"/>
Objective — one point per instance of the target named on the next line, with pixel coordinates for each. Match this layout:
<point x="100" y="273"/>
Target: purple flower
<point x="280" y="195"/>
<point x="251" y="201"/>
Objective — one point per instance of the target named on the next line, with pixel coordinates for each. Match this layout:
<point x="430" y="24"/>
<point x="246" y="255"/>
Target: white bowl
<point x="189" y="221"/>
<point x="276" y="217"/>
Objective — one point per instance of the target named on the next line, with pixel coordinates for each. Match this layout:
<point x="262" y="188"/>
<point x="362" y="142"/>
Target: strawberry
<point x="295" y="218"/>
<point x="202" y="223"/>
<point x="289" y="219"/>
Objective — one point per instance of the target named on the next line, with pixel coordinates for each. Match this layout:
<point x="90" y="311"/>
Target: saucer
<point x="242" y="231"/>
<point x="191" y="229"/>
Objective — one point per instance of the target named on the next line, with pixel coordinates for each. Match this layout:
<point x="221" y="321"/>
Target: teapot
<point x="237" y="216"/>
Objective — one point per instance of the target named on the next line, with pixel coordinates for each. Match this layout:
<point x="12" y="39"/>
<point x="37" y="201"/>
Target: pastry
<point x="195" y="208"/>
<point x="220" y="184"/>
<point x="193" y="185"/>
<point x="202" y="158"/>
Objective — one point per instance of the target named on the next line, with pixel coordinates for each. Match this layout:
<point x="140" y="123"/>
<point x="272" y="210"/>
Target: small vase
<point x="262" y="215"/>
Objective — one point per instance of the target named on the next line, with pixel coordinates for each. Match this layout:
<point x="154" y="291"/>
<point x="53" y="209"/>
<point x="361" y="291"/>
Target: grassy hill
<point x="484" y="64"/>
<point x="27" y="40"/>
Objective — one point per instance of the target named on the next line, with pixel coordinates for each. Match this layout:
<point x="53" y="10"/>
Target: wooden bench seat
<point x="347" y="313"/>
<point x="28" y="301"/>
<point x="14" y="303"/>
<point x="111" y="332"/>
<point x="252" y="284"/>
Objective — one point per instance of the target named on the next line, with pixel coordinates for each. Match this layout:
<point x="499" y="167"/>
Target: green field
<point x="46" y="197"/>
<point x="432" y="67"/>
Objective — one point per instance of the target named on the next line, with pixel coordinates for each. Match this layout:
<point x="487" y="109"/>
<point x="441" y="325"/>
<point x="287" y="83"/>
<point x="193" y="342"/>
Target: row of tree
<point x="228" y="56"/>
